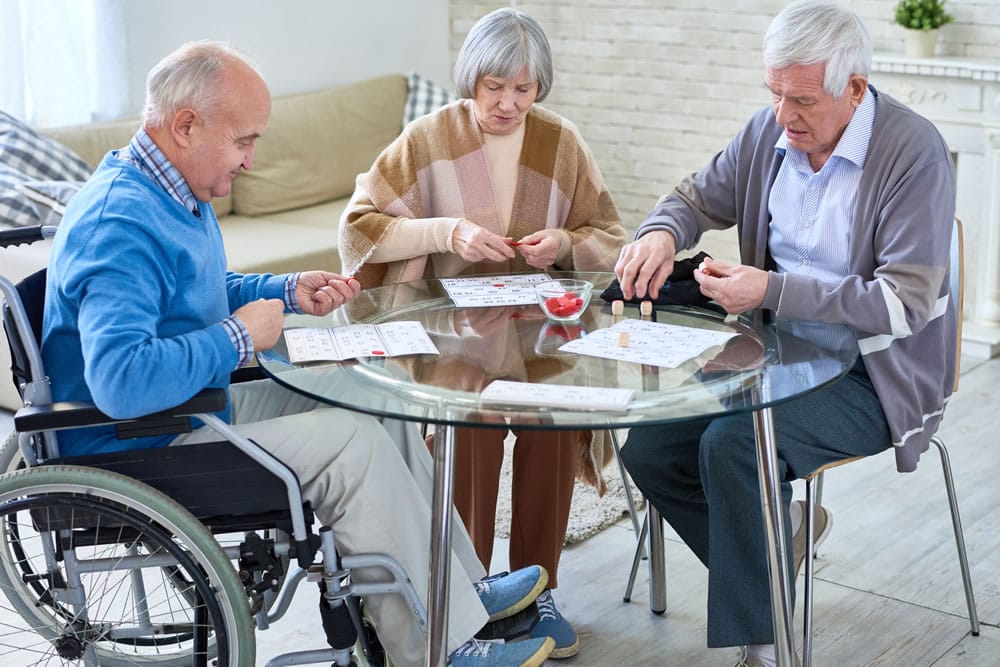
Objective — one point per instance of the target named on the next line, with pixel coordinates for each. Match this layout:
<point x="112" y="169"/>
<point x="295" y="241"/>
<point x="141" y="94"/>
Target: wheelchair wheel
<point x="10" y="455"/>
<point x="98" y="568"/>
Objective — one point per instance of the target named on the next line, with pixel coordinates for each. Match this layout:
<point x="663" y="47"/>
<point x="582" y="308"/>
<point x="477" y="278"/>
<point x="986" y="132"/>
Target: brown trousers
<point x="544" y="469"/>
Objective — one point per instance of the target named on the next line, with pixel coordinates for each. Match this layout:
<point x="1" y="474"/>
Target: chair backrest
<point x="957" y="258"/>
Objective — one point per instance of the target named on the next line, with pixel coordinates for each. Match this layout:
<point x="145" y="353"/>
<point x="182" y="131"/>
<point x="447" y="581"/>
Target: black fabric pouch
<point x="681" y="289"/>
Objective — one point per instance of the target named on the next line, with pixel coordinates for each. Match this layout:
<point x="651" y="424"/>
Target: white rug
<point x="589" y="514"/>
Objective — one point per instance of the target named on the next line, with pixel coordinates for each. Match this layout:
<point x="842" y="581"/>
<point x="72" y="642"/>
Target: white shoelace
<point x="473" y="648"/>
<point x="546" y="607"/>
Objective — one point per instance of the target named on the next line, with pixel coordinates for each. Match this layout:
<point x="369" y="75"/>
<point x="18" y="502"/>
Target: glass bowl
<point x="565" y="299"/>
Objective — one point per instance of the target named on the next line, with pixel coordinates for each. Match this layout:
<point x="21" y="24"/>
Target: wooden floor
<point x="888" y="586"/>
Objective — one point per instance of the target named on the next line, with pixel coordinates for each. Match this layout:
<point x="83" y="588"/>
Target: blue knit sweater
<point x="137" y="289"/>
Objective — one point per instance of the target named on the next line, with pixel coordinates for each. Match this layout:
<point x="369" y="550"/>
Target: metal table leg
<point x="440" y="574"/>
<point x="770" y="498"/>
<point x="657" y="563"/>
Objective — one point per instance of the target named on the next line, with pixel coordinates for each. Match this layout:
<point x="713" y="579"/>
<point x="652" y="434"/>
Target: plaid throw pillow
<point x="423" y="97"/>
<point x="49" y="198"/>
<point x="27" y="156"/>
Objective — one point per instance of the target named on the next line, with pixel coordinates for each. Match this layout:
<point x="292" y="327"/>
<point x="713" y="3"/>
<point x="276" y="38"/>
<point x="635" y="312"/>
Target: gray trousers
<point x="702" y="477"/>
<point x="351" y="471"/>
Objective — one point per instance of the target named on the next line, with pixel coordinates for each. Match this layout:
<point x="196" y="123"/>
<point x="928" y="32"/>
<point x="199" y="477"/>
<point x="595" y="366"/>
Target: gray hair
<point x="807" y="32"/>
<point x="501" y="44"/>
<point x="185" y="78"/>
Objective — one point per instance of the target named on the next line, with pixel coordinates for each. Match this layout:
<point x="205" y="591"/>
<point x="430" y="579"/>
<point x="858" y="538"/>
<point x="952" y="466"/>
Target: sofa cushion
<point x="49" y="198"/>
<point x="25" y="155"/>
<point x="92" y="142"/>
<point x="26" y="151"/>
<point x="16" y="210"/>
<point x="285" y="242"/>
<point x="423" y="96"/>
<point x="317" y="143"/>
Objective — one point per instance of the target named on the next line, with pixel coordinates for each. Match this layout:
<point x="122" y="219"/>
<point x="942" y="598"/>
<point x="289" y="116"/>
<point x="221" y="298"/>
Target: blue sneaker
<point x="552" y="624"/>
<point x="527" y="653"/>
<point x="504" y="596"/>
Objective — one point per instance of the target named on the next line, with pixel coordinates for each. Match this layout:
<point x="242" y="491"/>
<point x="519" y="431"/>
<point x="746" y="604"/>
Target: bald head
<point x="206" y="106"/>
<point x="189" y="77"/>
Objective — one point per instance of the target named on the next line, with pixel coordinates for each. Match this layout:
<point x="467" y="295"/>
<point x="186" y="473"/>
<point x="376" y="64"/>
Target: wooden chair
<point x="814" y="481"/>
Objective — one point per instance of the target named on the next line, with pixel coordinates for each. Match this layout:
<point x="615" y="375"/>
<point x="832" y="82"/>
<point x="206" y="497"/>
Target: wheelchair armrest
<point x="76" y="414"/>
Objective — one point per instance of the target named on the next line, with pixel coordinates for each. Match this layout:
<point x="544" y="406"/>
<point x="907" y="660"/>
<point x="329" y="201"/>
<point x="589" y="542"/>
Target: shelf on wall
<point x="952" y="67"/>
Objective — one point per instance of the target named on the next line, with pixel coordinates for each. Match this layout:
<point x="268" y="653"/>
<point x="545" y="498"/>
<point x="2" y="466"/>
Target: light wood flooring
<point x="888" y="589"/>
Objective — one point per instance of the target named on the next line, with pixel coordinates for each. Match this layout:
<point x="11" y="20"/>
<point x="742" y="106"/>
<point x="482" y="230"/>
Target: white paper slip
<point x="482" y="291"/>
<point x="651" y="343"/>
<point x="556" y="396"/>
<point x="389" y="339"/>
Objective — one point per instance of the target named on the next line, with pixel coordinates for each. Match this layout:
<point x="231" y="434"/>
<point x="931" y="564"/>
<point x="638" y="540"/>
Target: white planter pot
<point x="920" y="43"/>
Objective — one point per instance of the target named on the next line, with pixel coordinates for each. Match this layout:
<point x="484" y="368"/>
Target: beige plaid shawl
<point x="438" y="168"/>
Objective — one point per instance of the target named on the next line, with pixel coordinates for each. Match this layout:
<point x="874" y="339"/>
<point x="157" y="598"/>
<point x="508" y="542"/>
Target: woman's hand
<point x="477" y="244"/>
<point x="540" y="249"/>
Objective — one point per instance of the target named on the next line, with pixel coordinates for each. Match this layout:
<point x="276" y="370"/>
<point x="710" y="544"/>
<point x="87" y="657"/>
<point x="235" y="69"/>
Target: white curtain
<point x="63" y="62"/>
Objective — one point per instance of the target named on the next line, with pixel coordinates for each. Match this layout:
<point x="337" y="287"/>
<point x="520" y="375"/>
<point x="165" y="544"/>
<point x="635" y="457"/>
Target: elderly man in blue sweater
<point x="141" y="314"/>
<point x="844" y="202"/>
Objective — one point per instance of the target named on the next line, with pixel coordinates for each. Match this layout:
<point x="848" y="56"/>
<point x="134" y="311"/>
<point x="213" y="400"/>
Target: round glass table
<point x="762" y="364"/>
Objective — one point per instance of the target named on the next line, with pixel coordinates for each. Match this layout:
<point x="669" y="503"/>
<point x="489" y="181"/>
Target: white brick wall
<point x="659" y="86"/>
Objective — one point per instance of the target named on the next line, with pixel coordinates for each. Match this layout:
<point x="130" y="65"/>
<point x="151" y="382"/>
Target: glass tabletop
<point x="765" y="363"/>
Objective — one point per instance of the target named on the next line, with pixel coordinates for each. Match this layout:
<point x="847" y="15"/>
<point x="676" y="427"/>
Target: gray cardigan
<point x="896" y="296"/>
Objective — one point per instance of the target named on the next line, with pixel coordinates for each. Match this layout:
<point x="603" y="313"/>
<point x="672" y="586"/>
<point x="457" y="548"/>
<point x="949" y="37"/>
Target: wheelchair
<point x="168" y="556"/>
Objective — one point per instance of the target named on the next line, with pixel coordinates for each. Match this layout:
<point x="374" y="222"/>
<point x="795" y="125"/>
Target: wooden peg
<point x="622" y="339"/>
<point x="617" y="307"/>
<point x="646" y="308"/>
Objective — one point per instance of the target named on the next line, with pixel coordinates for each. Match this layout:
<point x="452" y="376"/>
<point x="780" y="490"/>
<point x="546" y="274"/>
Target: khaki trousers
<point x="352" y="473"/>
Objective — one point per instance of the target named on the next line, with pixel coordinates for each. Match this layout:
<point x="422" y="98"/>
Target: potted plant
<point x="921" y="18"/>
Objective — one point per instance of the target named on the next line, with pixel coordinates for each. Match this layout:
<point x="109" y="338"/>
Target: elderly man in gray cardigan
<point x="844" y="202"/>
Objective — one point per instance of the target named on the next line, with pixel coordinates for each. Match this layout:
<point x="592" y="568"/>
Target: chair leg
<point x="819" y="488"/>
<point x="639" y="549"/>
<point x="633" y="514"/>
<point x="807" y="605"/>
<point x="956" y="523"/>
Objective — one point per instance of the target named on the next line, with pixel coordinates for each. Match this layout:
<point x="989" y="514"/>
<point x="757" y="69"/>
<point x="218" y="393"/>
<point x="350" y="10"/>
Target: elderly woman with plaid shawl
<point x="493" y="183"/>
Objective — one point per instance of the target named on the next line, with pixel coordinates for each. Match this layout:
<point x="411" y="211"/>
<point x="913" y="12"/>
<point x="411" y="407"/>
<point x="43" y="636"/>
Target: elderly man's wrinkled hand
<point x="263" y="320"/>
<point x="321" y="292"/>
<point x="645" y="264"/>
<point x="736" y="287"/>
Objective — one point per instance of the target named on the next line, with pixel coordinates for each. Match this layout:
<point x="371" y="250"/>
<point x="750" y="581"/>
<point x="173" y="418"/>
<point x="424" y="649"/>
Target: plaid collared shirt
<point x="150" y="160"/>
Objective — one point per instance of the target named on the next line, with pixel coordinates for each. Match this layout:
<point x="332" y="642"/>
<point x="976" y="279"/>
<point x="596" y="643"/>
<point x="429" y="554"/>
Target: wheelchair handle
<point x="26" y="235"/>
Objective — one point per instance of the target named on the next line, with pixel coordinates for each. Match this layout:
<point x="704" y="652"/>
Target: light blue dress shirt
<point x="812" y="212"/>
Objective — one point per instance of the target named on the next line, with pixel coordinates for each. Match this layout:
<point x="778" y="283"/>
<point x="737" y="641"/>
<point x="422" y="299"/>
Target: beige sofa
<point x="282" y="215"/>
